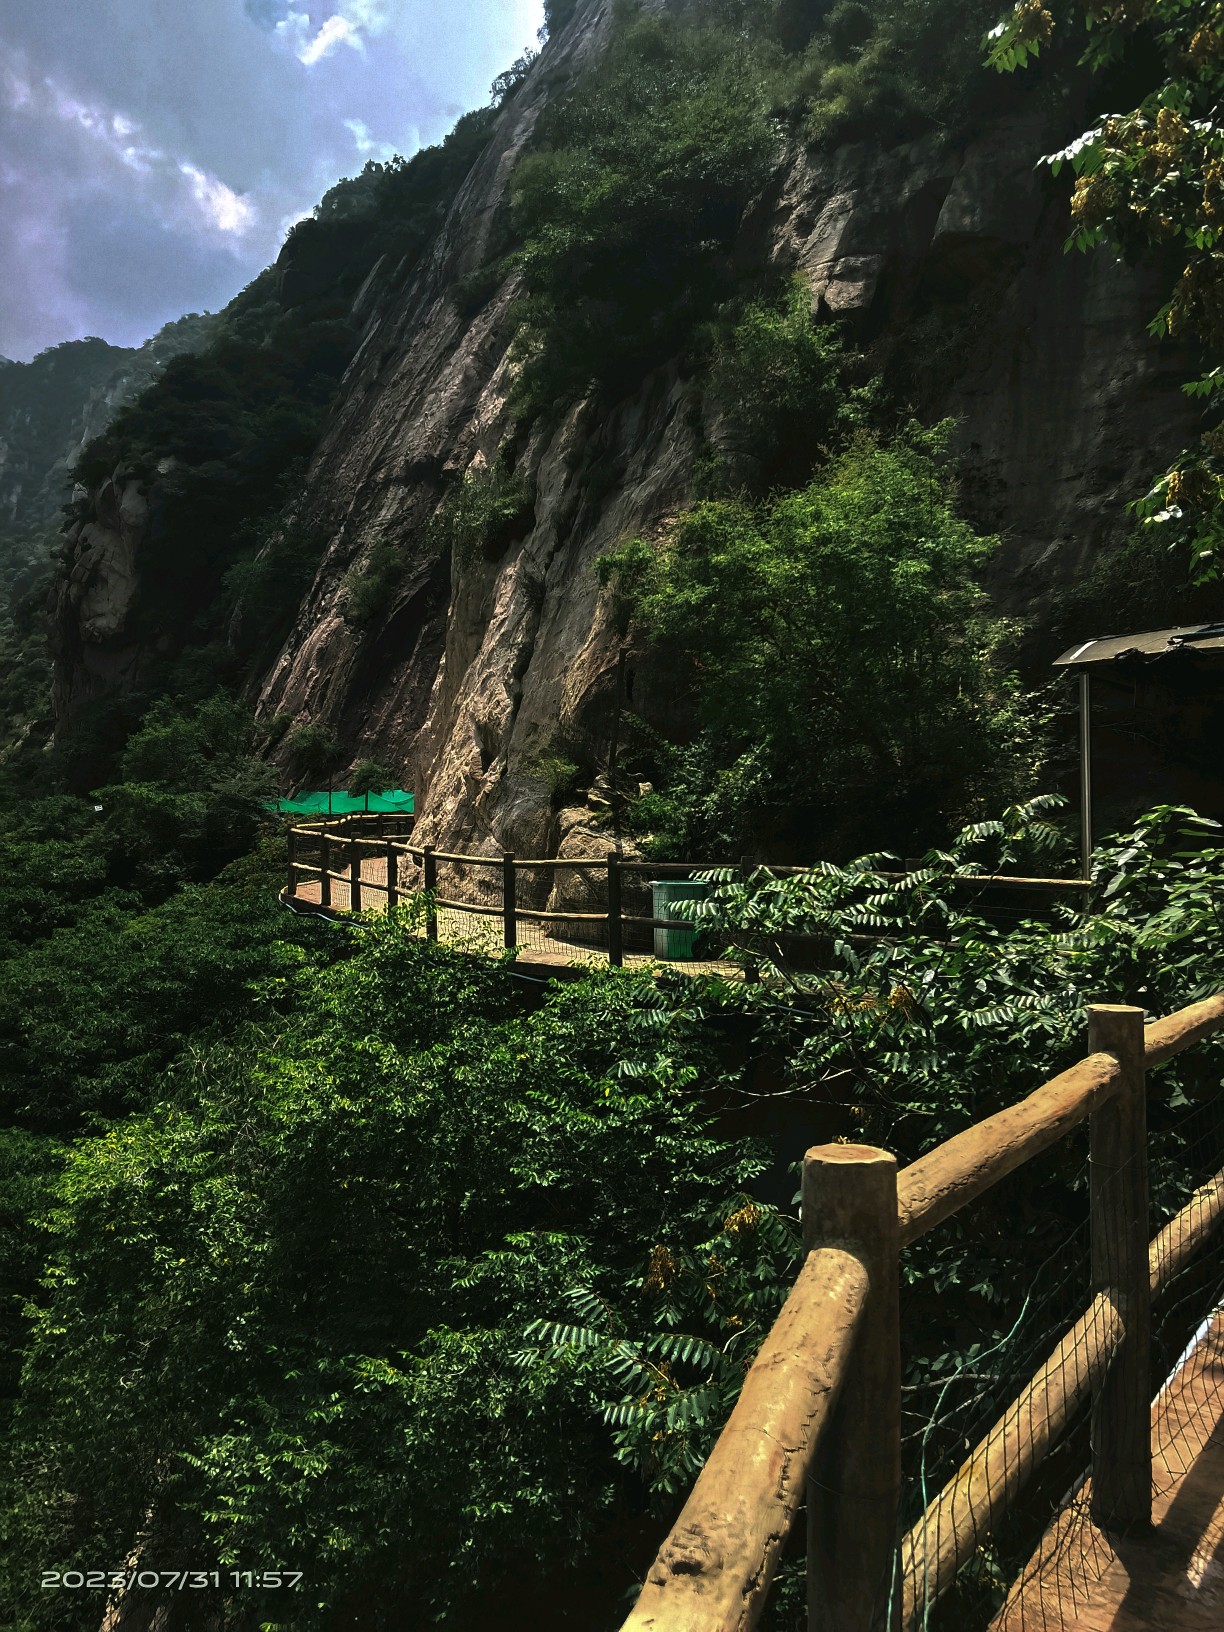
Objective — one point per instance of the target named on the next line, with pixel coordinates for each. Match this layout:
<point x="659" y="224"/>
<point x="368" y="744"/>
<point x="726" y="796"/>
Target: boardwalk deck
<point x="1170" y="1579"/>
<point x="539" y="945"/>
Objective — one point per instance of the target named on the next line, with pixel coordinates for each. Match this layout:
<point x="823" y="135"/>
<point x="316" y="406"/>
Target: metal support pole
<point x="325" y="881"/>
<point x="1085" y="737"/>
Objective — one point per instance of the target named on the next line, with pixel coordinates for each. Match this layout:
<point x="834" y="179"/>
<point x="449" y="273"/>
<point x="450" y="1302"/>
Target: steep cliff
<point x="945" y="263"/>
<point x="476" y="671"/>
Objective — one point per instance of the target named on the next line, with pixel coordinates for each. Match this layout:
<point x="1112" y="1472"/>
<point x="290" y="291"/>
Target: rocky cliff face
<point x="946" y="264"/>
<point x="94" y="595"/>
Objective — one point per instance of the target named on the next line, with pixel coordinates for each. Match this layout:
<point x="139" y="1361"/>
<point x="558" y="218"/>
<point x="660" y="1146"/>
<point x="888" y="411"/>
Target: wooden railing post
<point x="1121" y="1408"/>
<point x="616" y="945"/>
<point x="509" y="921"/>
<point x="853" y="1493"/>
<point x="392" y="874"/>
<point x="291" y="890"/>
<point x="325" y="882"/>
<point x="429" y="882"/>
<point x="354" y="874"/>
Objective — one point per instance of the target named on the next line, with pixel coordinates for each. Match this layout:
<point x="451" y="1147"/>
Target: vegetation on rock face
<point x="847" y="680"/>
<point x="482" y="514"/>
<point x="627" y="208"/>
<point x="1151" y="179"/>
<point x="775" y="391"/>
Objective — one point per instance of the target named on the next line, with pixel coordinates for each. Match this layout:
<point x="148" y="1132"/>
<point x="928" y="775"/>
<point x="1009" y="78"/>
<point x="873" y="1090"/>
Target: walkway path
<point x="1170" y="1579"/>
<point x="539" y="946"/>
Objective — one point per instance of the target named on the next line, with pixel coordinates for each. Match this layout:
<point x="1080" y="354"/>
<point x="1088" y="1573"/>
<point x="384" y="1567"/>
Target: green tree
<point x="370" y="776"/>
<point x="848" y="682"/>
<point x="253" y="1396"/>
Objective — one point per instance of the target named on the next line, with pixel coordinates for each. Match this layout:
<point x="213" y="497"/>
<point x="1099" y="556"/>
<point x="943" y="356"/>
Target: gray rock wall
<point x="947" y="267"/>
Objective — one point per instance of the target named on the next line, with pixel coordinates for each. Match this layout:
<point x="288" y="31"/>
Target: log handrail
<point x="715" y="1568"/>
<point x="347" y="829"/>
<point x="964" y="1167"/>
<point x="713" y="1571"/>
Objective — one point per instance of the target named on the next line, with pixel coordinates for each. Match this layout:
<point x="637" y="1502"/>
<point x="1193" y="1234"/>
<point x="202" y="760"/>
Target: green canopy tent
<point x="392" y="802"/>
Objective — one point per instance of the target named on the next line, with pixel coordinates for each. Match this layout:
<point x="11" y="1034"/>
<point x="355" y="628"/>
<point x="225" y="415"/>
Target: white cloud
<point x="366" y="145"/>
<point x="350" y="24"/>
<point x="222" y="208"/>
<point x="368" y="15"/>
<point x="336" y="31"/>
<point x="103" y="232"/>
<point x="119" y="135"/>
<point x="16" y="91"/>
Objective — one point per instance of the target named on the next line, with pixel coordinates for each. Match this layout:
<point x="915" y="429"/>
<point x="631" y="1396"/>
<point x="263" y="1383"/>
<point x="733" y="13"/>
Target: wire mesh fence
<point x="988" y="1301"/>
<point x="1021" y="1537"/>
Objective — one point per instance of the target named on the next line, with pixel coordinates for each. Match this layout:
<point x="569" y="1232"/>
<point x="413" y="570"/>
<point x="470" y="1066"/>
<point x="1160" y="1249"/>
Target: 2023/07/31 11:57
<point x="172" y="1580"/>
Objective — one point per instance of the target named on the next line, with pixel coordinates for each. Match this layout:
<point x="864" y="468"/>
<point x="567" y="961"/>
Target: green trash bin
<point x="667" y="900"/>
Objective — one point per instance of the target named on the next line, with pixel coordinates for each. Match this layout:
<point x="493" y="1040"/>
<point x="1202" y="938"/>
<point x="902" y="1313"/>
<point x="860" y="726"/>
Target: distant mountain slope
<point x="51" y="407"/>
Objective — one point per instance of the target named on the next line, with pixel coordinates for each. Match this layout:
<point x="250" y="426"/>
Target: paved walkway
<point x="1171" y="1579"/>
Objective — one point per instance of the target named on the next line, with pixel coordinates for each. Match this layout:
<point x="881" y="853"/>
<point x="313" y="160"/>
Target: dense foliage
<point x="1151" y="178"/>
<point x="630" y="205"/>
<point x="847" y="679"/>
<point x="486" y="1166"/>
<point x="561" y="1273"/>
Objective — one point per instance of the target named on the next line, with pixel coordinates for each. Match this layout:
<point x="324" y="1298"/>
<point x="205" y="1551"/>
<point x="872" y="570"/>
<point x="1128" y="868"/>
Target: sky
<point x="154" y="153"/>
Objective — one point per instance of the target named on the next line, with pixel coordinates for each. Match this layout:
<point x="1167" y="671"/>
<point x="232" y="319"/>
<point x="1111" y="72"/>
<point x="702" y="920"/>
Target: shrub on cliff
<point x="630" y="202"/>
<point x="849" y="685"/>
<point x="775" y="393"/>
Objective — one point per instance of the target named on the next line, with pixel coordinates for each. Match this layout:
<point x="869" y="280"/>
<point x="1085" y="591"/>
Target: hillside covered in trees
<point x="703" y="452"/>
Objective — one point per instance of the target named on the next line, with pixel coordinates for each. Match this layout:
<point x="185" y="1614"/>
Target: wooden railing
<point x="819" y="1418"/>
<point x="352" y="838"/>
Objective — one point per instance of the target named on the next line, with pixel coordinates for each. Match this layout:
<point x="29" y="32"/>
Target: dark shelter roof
<point x="1202" y="640"/>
